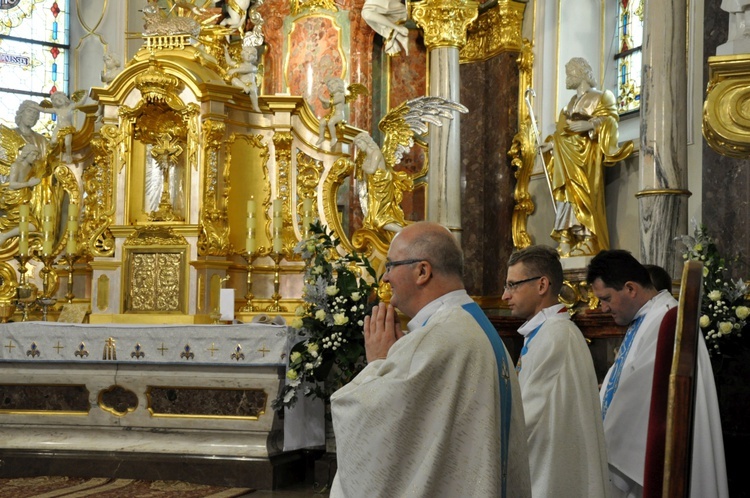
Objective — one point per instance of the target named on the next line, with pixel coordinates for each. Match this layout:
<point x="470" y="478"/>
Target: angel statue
<point x="340" y="96"/>
<point x="243" y="73"/>
<point x="25" y="171"/>
<point x="111" y="67"/>
<point x="63" y="106"/>
<point x="387" y="18"/>
<point x="381" y="199"/>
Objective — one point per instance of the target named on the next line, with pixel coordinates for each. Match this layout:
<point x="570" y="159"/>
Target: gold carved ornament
<point x="309" y="172"/>
<point x="98" y="186"/>
<point x="726" y="111"/>
<point x="282" y="141"/>
<point x="444" y="22"/>
<point x="213" y="237"/>
<point x="523" y="154"/>
<point x="300" y="6"/>
<point x="495" y="31"/>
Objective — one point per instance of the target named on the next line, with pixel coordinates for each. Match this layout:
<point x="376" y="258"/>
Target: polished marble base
<point x="258" y="473"/>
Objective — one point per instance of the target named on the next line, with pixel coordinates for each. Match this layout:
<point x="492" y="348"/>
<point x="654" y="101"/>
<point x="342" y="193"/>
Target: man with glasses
<point x="567" y="455"/>
<point x="437" y="411"/>
<point x="624" y="288"/>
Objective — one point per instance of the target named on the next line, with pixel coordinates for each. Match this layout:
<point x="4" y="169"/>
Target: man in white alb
<point x="437" y="411"/>
<point x="624" y="289"/>
<point x="567" y="455"/>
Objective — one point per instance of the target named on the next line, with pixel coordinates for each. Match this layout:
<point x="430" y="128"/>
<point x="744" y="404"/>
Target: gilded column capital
<point x="726" y="110"/>
<point x="444" y="22"/>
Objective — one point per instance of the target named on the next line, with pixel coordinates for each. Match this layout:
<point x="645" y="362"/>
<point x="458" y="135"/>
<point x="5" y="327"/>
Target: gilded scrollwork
<point x="444" y="22"/>
<point x="338" y="174"/>
<point x="495" y="31"/>
<point x="8" y="282"/>
<point x="726" y="111"/>
<point x="213" y="238"/>
<point x="282" y="141"/>
<point x="523" y="153"/>
<point x="309" y="171"/>
<point x="299" y="6"/>
<point x="98" y="187"/>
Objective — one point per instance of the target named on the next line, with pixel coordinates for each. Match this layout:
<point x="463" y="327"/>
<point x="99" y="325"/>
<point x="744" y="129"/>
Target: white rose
<point x="697" y="248"/>
<point x="356" y="296"/>
<point x="295" y="356"/>
<point x="705" y="321"/>
<point x="292" y="375"/>
<point x="332" y="290"/>
<point x="725" y="328"/>
<point x="299" y="311"/>
<point x="340" y="319"/>
<point x="312" y="347"/>
<point x="742" y="312"/>
<point x="296" y="322"/>
<point x="320" y="315"/>
<point x="714" y="295"/>
<point x="308" y="366"/>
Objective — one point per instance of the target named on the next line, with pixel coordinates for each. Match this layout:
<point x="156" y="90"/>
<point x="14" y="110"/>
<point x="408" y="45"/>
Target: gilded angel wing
<point x="410" y="119"/>
<point x="78" y="96"/>
<point x="355" y="90"/>
<point x="10" y="143"/>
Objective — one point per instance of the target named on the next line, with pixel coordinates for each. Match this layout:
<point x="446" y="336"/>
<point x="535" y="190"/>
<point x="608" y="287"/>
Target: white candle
<point x="250" y="236"/>
<point x="306" y="214"/>
<point x="72" y="228"/>
<point x="23" y="229"/>
<point x="47" y="229"/>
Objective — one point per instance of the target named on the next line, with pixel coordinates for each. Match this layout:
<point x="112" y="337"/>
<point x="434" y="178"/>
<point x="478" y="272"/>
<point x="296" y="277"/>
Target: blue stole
<point x="503" y="372"/>
<point x="622" y="354"/>
<point x="525" y="348"/>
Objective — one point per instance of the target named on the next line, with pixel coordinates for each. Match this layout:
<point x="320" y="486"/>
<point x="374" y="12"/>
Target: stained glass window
<point x="628" y="57"/>
<point x="34" y="46"/>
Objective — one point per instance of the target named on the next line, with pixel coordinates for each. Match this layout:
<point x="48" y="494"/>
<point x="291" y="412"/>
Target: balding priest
<point x="437" y="412"/>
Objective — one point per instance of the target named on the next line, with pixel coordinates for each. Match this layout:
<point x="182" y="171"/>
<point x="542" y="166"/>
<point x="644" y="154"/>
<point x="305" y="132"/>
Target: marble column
<point x="662" y="199"/>
<point x="444" y="24"/>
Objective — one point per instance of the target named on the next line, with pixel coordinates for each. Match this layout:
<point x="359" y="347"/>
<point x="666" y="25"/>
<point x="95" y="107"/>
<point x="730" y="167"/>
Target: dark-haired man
<point x="437" y="411"/>
<point x="567" y="455"/>
<point x="624" y="289"/>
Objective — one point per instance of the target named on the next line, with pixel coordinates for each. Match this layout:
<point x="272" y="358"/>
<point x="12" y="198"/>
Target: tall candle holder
<point x="249" y="307"/>
<point x="70" y="260"/>
<point x="25" y="291"/>
<point x="275" y="306"/>
<point x="47" y="300"/>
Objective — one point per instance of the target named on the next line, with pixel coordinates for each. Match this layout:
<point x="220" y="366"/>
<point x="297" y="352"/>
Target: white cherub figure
<point x="336" y="103"/>
<point x="111" y="67"/>
<point x="386" y="18"/>
<point x="63" y="106"/>
<point x="242" y="74"/>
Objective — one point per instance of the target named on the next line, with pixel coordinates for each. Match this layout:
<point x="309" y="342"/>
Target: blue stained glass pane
<point x="630" y="38"/>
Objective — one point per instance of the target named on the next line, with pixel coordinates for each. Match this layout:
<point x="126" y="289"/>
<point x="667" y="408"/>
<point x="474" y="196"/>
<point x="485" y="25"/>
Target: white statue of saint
<point x="387" y="18"/>
<point x="738" y="39"/>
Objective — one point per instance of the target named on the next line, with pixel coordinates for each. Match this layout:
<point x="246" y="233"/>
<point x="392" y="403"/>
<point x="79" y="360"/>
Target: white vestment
<point x="426" y="421"/>
<point x="626" y="423"/>
<point x="561" y="407"/>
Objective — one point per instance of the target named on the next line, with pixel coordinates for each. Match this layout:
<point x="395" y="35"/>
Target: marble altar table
<point x="145" y="401"/>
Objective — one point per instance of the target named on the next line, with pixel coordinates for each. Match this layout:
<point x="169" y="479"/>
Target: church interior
<point x="153" y="212"/>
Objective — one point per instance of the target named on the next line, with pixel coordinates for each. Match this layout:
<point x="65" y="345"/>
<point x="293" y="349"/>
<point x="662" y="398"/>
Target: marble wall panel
<point x="490" y="90"/>
<point x="315" y="55"/>
<point x="726" y="181"/>
<point x="44" y="398"/>
<point x="273" y="13"/>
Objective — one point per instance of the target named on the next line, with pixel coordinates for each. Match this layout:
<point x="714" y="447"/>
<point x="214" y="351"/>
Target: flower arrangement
<point x="337" y="298"/>
<point x="724" y="309"/>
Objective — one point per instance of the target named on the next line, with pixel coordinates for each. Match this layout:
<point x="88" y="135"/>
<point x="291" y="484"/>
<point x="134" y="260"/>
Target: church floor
<point x="297" y="491"/>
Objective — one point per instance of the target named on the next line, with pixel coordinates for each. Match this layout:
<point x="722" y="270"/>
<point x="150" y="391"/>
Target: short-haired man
<point x="437" y="411"/>
<point x="624" y="288"/>
<point x="567" y="455"/>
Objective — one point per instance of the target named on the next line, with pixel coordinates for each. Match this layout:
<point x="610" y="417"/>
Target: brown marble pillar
<point x="490" y="89"/>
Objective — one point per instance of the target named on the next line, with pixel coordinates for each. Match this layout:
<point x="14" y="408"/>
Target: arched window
<point x="628" y="56"/>
<point x="34" y="45"/>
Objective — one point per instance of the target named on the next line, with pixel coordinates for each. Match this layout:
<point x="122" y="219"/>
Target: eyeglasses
<point x="390" y="264"/>
<point x="512" y="286"/>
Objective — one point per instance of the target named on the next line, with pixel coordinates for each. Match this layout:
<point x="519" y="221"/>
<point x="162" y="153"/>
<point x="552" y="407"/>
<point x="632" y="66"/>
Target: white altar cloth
<point x="243" y="344"/>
